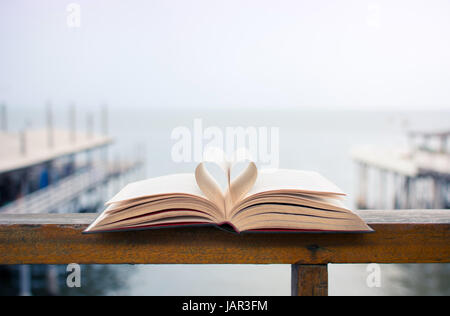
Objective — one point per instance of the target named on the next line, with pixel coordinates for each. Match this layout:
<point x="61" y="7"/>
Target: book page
<point x="158" y="216"/>
<point x="163" y="207"/>
<point x="293" y="199"/>
<point x="167" y="185"/>
<point x="236" y="189"/>
<point x="276" y="216"/>
<point x="166" y="199"/>
<point x="239" y="187"/>
<point x="295" y="181"/>
<point x="209" y="187"/>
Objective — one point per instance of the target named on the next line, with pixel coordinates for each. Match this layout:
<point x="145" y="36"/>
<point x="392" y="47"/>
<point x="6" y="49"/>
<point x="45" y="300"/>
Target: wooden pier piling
<point x="363" y="186"/>
<point x="4" y="118"/>
<point x="73" y="123"/>
<point x="50" y="129"/>
<point x="89" y="125"/>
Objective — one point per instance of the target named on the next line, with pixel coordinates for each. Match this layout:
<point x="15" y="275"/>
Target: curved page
<point x="167" y="185"/>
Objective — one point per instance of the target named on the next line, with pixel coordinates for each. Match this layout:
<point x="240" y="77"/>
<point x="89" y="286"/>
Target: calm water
<point x="318" y="141"/>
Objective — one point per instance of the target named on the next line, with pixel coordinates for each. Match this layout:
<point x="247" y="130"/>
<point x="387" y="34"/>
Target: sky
<point x="364" y="55"/>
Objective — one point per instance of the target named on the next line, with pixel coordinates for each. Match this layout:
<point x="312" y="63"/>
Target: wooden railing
<point x="412" y="236"/>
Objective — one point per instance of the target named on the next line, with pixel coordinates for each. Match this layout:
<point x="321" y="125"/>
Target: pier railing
<point x="67" y="189"/>
<point x="401" y="236"/>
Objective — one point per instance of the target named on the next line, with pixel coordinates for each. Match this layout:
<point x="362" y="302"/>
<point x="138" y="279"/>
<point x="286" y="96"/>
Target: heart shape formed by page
<point x="236" y="188"/>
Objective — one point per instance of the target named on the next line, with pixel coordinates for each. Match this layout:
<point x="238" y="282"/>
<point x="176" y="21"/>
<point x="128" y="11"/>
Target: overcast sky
<point x="294" y="54"/>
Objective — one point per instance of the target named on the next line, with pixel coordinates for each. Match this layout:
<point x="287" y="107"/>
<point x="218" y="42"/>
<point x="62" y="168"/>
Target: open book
<point x="282" y="200"/>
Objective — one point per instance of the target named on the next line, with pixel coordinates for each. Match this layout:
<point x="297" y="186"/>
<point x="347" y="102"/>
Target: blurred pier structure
<point x="64" y="195"/>
<point x="405" y="178"/>
<point x="58" y="170"/>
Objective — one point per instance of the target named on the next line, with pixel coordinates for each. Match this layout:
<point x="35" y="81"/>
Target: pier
<point x="416" y="177"/>
<point x="51" y="170"/>
<point x="55" y="198"/>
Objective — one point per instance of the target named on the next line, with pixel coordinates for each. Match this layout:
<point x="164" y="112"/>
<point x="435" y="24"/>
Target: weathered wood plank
<point x="400" y="237"/>
<point x="309" y="280"/>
